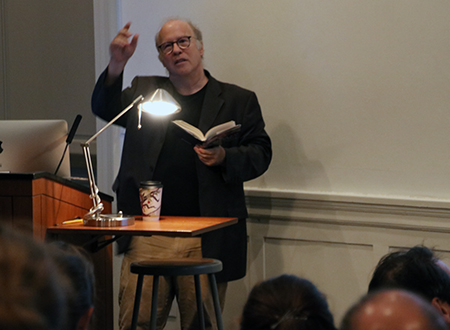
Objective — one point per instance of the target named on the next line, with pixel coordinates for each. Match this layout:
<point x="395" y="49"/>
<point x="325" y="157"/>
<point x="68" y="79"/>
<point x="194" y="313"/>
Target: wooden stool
<point x="177" y="267"/>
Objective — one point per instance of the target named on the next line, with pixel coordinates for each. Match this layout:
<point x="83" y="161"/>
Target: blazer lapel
<point x="211" y="105"/>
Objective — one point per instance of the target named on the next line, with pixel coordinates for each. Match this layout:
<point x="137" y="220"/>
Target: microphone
<point x="73" y="129"/>
<point x="69" y="139"/>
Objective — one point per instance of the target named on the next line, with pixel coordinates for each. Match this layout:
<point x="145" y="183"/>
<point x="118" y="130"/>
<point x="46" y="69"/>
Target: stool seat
<point x="176" y="266"/>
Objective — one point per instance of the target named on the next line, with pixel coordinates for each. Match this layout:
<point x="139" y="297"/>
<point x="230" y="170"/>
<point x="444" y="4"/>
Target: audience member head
<point x="286" y="302"/>
<point x="417" y="270"/>
<point x="31" y="295"/>
<point x="77" y="275"/>
<point x="393" y="310"/>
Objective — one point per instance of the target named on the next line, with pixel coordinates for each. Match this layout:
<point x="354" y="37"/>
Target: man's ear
<point x="202" y="51"/>
<point x="442" y="307"/>
<point x="160" y="58"/>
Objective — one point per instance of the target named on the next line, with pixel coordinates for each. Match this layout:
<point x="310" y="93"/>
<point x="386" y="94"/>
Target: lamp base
<point x="108" y="220"/>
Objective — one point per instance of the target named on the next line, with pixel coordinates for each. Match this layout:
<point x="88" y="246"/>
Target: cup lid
<point x="151" y="184"/>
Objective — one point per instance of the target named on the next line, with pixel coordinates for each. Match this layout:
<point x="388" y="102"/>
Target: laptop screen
<point x="28" y="146"/>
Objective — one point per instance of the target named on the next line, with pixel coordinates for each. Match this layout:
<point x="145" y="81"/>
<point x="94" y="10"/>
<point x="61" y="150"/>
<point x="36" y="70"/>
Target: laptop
<point x="29" y="146"/>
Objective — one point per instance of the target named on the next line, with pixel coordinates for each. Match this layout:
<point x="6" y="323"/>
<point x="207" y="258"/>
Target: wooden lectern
<point x="35" y="201"/>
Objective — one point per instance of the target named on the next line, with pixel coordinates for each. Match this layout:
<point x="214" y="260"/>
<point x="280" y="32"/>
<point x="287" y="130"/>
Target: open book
<point x="212" y="138"/>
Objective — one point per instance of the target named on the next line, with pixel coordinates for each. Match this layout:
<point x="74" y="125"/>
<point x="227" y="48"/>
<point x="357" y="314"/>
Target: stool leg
<point x="137" y="302"/>
<point x="153" y="314"/>
<point x="198" y="295"/>
<point x="215" y="295"/>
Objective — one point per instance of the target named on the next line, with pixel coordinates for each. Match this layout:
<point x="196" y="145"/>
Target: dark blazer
<point x="221" y="193"/>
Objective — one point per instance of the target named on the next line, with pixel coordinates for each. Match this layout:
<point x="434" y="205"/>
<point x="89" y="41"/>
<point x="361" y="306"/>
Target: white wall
<point x="355" y="93"/>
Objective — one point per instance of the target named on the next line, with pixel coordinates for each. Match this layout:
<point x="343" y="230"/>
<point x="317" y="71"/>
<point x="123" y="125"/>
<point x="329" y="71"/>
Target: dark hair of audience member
<point x="31" y="294"/>
<point x="76" y="269"/>
<point x="286" y="302"/>
<point x="415" y="270"/>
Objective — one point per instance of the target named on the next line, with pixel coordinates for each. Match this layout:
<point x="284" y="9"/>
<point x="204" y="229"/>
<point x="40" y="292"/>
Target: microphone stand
<point x="69" y="139"/>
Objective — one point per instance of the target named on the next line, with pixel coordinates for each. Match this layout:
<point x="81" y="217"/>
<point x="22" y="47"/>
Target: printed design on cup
<point x="151" y="201"/>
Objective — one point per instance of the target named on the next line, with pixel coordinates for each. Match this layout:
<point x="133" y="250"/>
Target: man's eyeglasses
<point x="167" y="47"/>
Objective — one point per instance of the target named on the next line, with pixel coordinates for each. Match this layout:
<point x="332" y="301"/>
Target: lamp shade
<point x="161" y="103"/>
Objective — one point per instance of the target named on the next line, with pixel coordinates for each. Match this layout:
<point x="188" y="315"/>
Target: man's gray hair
<point x="197" y="33"/>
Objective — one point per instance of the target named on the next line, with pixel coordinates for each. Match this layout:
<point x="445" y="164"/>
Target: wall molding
<point x="369" y="211"/>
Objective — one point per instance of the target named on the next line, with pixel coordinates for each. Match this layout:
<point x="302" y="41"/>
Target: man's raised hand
<point x="121" y="49"/>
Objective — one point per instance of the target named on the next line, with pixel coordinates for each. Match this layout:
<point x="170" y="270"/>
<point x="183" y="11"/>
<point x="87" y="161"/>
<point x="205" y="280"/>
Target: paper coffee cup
<point x="150" y="194"/>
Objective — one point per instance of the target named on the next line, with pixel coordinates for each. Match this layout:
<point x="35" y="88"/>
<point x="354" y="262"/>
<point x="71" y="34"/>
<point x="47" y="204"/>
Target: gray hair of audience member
<point x="31" y="294"/>
<point x="286" y="302"/>
<point x="77" y="273"/>
<point x="393" y="309"/>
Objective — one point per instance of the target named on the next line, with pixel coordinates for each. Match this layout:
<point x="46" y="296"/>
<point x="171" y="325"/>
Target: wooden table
<point x="96" y="238"/>
<point x="166" y="226"/>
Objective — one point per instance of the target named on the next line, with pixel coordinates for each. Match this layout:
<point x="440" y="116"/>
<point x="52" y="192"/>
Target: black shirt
<point x="176" y="163"/>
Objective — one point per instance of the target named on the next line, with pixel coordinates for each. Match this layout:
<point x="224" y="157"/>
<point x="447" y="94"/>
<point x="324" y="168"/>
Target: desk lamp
<point x="161" y="103"/>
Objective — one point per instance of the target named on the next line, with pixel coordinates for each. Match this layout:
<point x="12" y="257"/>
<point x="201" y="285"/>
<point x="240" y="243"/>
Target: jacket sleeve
<point x="251" y="156"/>
<point x="108" y="101"/>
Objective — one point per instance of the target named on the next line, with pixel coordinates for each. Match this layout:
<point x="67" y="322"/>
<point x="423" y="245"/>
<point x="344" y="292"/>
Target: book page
<point x="219" y="129"/>
<point x="194" y="131"/>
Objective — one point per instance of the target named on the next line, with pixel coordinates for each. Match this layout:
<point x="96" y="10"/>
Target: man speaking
<point x="197" y="181"/>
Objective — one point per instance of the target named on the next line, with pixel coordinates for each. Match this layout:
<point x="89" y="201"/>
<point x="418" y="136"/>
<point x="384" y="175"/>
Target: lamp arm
<point x="138" y="99"/>
<point x="98" y="205"/>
